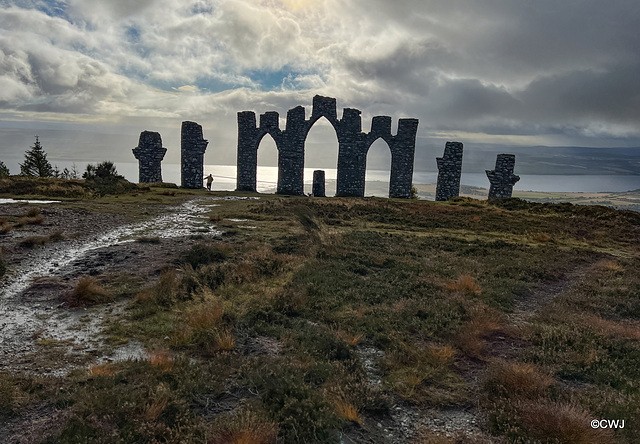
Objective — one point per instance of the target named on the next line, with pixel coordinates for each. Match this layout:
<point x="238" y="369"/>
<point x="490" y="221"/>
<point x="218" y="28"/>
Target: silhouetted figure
<point x="209" y="181"/>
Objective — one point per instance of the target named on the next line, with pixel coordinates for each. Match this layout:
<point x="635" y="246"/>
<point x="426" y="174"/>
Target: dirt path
<point x="34" y="320"/>
<point x="532" y="302"/>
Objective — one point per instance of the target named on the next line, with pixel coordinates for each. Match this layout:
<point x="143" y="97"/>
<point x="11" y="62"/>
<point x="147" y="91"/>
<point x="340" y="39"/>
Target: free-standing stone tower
<point x="150" y="153"/>
<point x="449" y="171"/>
<point x="502" y="178"/>
<point x="352" y="150"/>
<point x="318" y="188"/>
<point x="192" y="150"/>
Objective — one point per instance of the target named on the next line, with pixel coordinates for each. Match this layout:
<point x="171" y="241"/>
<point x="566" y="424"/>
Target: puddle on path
<point x="29" y="201"/>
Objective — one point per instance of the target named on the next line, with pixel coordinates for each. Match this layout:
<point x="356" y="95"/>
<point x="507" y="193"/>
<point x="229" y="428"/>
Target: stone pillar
<point x="403" y="148"/>
<point x="291" y="154"/>
<point x="502" y="178"/>
<point x="150" y="153"/>
<point x="192" y="149"/>
<point x="318" y="189"/>
<point x="247" y="160"/>
<point x="352" y="155"/>
<point x="449" y="172"/>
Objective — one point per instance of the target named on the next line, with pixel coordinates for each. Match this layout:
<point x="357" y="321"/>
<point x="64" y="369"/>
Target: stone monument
<point x="193" y="147"/>
<point x="318" y="189"/>
<point x="353" y="146"/>
<point x="502" y="178"/>
<point x="149" y="153"/>
<point x="449" y="171"/>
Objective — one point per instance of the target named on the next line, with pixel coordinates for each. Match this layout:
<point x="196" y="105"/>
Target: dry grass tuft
<point x="465" y="284"/>
<point x="348" y="411"/>
<point x="224" y="340"/>
<point x="629" y="330"/>
<point x="35" y="220"/>
<point x="540" y="238"/>
<point x="5" y="227"/>
<point x="515" y="379"/>
<point x="88" y="291"/>
<point x="426" y="436"/>
<point x="442" y="354"/>
<point x="610" y="265"/>
<point x="244" y="427"/>
<point x="472" y="336"/>
<point x="102" y="370"/>
<point x="182" y="336"/>
<point x="350" y="339"/>
<point x="205" y="316"/>
<point x="153" y="410"/>
<point x="162" y="359"/>
<point x="556" y="422"/>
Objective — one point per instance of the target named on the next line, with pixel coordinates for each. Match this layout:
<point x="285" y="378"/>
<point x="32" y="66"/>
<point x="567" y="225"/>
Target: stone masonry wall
<point x="193" y="147"/>
<point x="149" y="153"/>
<point x="352" y="151"/>
<point x="502" y="178"/>
<point x="449" y="171"/>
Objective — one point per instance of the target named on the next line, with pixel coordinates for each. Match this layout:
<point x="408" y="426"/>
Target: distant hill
<point x="545" y="159"/>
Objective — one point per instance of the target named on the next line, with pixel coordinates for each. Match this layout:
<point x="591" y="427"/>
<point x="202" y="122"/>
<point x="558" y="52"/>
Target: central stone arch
<point x="353" y="146"/>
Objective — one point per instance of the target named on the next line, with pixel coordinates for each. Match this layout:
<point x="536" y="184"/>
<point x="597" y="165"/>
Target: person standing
<point x="209" y="181"/>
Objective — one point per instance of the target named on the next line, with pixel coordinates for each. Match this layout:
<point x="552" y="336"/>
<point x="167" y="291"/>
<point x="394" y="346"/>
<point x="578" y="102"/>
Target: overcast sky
<point x="506" y="72"/>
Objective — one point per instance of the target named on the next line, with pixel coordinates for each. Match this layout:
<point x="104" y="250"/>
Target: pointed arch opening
<point x="378" y="172"/>
<point x="267" y="174"/>
<point x="321" y="153"/>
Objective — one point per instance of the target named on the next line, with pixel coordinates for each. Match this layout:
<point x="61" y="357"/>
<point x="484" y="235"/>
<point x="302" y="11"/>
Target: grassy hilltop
<point x="345" y="320"/>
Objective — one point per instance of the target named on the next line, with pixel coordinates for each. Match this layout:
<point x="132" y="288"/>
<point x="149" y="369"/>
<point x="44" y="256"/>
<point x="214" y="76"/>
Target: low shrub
<point x="165" y="293"/>
<point x="148" y="240"/>
<point x="5" y="227"/>
<point x="202" y="254"/>
<point x="104" y="179"/>
<point x="32" y="241"/>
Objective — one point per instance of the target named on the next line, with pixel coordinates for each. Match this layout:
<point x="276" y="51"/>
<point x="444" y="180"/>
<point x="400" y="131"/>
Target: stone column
<point x="247" y="161"/>
<point x="502" y="178"/>
<point x="149" y="153"/>
<point x="291" y="154"/>
<point x="403" y="148"/>
<point x="449" y="172"/>
<point x="318" y="189"/>
<point x="352" y="155"/>
<point x="193" y="148"/>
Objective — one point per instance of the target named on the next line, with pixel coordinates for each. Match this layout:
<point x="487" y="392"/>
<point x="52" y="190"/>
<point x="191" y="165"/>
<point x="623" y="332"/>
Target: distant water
<point x="225" y="179"/>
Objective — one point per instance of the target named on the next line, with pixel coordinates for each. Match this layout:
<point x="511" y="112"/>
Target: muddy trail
<point x="34" y="319"/>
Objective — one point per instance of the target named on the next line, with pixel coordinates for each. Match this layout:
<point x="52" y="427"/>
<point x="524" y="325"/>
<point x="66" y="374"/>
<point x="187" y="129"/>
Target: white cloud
<point x="510" y="68"/>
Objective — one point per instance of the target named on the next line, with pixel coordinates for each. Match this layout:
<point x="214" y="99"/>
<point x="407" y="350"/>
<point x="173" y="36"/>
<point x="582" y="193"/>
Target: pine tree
<point x="4" y="171"/>
<point x="36" y="163"/>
